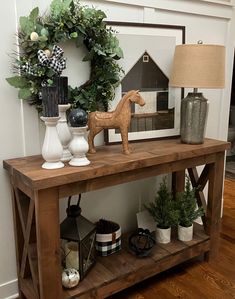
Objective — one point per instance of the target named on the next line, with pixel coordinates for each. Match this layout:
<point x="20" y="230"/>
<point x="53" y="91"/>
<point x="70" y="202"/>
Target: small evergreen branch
<point x="187" y="205"/>
<point x="163" y="209"/>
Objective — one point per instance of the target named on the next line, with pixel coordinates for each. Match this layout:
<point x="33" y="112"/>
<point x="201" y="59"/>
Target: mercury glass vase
<point x="193" y="118"/>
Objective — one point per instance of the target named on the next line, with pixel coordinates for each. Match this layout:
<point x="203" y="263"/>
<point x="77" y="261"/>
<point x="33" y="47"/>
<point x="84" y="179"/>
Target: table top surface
<point x="109" y="160"/>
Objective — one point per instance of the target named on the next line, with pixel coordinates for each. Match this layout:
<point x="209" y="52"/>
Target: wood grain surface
<point x="109" y="160"/>
<point x="36" y="193"/>
<point x="122" y="269"/>
<point x="197" y="279"/>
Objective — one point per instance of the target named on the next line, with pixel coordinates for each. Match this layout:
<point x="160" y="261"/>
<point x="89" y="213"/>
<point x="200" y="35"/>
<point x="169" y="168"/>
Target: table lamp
<point x="196" y="66"/>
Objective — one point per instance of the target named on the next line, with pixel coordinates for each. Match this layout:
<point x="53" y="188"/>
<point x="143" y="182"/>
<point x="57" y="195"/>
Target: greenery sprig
<point x="67" y="20"/>
<point x="163" y="209"/>
<point x="187" y="205"/>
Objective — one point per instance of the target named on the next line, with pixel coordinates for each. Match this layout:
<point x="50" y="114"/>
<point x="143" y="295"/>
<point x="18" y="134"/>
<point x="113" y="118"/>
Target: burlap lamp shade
<point x="196" y="66"/>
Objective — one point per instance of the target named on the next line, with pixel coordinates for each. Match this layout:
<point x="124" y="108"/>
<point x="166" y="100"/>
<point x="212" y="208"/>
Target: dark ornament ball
<point x="78" y="118"/>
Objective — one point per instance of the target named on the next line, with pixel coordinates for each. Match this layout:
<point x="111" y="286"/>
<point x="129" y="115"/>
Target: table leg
<point x="48" y="243"/>
<point x="178" y="181"/>
<point x="19" y="239"/>
<point x="213" y="213"/>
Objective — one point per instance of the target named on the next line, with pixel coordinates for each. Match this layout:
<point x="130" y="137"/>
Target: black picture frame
<point x="129" y="34"/>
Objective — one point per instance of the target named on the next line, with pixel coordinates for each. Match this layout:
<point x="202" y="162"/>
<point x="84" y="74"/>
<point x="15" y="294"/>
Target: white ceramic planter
<point x="185" y="233"/>
<point x="163" y="235"/>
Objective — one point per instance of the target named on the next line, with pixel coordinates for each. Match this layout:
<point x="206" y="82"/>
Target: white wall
<point x="11" y="145"/>
<point x="21" y="133"/>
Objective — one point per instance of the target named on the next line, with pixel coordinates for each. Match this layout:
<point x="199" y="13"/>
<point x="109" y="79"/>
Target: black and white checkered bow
<point x="28" y="69"/>
<point x="55" y="62"/>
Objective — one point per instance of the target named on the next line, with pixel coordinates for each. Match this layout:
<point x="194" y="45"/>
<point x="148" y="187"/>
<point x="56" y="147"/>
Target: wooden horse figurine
<point x="119" y="118"/>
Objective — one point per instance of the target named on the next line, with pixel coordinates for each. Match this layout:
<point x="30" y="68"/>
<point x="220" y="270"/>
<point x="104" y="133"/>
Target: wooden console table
<point x="36" y="193"/>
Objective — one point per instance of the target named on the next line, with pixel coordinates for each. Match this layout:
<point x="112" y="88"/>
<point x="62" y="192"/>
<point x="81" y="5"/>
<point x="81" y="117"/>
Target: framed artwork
<point x="148" y="54"/>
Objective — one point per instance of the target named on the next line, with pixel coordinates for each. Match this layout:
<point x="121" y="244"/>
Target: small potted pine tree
<point x="164" y="212"/>
<point x="188" y="212"/>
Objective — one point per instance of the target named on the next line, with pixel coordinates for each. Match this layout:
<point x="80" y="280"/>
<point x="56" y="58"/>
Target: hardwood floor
<point x="197" y="278"/>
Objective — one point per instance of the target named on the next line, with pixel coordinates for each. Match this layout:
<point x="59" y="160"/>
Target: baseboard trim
<point x="9" y="289"/>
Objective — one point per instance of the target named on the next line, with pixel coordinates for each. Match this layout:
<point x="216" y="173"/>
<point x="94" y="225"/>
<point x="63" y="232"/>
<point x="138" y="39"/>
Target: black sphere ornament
<point x="78" y="118"/>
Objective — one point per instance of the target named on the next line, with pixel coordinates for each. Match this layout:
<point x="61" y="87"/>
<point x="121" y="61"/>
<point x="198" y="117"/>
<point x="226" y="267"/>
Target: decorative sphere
<point x="70" y="278"/>
<point x="34" y="36"/>
<point x="44" y="31"/>
<point x="47" y="52"/>
<point x="78" y="118"/>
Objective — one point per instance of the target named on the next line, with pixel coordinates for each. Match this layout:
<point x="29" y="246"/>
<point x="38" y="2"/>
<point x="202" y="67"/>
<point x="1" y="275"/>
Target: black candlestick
<point x="61" y="84"/>
<point x="50" y="101"/>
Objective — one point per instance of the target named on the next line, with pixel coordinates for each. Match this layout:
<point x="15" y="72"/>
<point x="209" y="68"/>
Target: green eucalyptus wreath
<point x="67" y="20"/>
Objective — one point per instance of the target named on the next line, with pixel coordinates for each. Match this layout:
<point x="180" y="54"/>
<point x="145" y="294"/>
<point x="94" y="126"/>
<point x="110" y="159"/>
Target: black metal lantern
<point x="79" y="234"/>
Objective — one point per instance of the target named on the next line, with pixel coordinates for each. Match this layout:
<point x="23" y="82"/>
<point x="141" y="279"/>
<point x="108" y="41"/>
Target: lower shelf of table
<point x="121" y="270"/>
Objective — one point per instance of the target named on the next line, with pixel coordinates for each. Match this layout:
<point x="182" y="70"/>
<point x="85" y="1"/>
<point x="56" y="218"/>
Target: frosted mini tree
<point x="187" y="206"/>
<point x="163" y="209"/>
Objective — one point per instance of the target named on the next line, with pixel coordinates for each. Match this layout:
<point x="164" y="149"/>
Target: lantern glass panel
<point x="72" y="255"/>
<point x="88" y="253"/>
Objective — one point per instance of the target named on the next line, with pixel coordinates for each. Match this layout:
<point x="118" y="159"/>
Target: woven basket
<point x="107" y="244"/>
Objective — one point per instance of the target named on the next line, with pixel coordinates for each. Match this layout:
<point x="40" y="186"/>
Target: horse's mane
<point x="123" y="100"/>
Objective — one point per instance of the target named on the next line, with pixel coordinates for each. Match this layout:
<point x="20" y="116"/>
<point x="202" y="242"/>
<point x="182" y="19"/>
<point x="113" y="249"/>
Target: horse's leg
<point x="91" y="138"/>
<point x="124" y="134"/>
<point x="91" y="128"/>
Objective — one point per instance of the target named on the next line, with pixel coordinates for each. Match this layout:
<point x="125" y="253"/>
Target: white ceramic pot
<point x="185" y="233"/>
<point x="163" y="235"/>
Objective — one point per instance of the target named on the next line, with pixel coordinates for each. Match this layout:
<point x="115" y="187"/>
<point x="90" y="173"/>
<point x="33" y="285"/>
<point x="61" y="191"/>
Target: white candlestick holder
<point x="64" y="132"/>
<point x="52" y="149"/>
<point x="79" y="147"/>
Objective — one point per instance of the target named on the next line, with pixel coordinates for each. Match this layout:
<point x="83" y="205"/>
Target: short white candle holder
<point x="79" y="147"/>
<point x="64" y="132"/>
<point x="52" y="149"/>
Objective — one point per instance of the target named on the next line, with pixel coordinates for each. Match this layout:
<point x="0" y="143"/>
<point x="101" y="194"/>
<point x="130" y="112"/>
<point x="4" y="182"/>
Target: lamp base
<point x="194" y="109"/>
